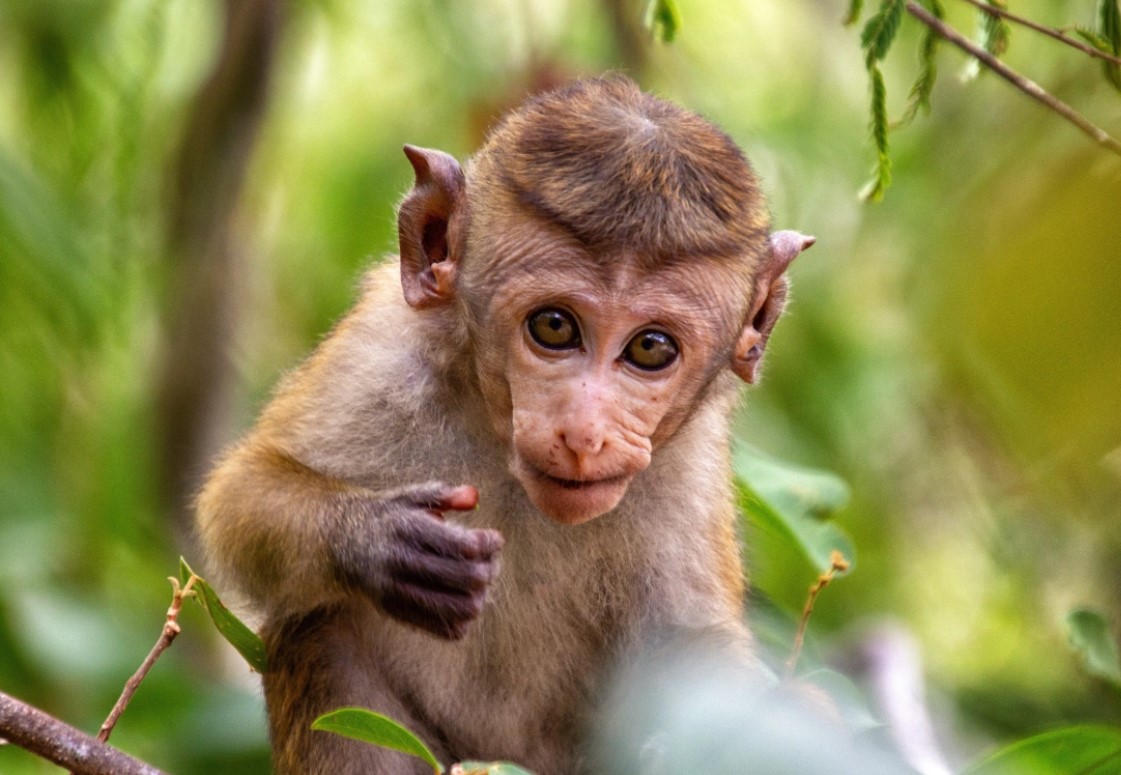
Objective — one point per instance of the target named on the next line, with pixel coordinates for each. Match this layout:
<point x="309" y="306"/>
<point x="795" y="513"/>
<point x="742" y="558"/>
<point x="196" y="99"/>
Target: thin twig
<point x="47" y="737"/>
<point x="1050" y="32"/>
<point x="170" y="630"/>
<point x="1026" y="85"/>
<point x="838" y="564"/>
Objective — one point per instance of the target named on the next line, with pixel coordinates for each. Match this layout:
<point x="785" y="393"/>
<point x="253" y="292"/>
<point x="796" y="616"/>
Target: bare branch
<point x="46" y="736"/>
<point x="1026" y="85"/>
<point x="1050" y="32"/>
<point x="838" y="564"/>
<point x="170" y="630"/>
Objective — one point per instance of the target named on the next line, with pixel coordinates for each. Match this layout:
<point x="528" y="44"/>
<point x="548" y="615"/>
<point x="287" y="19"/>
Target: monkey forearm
<point x="269" y="524"/>
<point x="293" y="539"/>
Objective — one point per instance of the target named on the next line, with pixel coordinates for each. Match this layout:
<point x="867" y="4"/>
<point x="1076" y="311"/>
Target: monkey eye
<point x="554" y="329"/>
<point x="651" y="350"/>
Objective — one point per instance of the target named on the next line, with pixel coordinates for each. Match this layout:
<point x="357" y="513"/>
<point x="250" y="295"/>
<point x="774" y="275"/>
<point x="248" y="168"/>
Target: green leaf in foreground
<point x="874" y="190"/>
<point x="879" y="33"/>
<point x="852" y="15"/>
<point x="376" y="729"/>
<point x="235" y="631"/>
<point x="1086" y="750"/>
<point x="919" y="97"/>
<point x="488" y="768"/>
<point x="1109" y="29"/>
<point x="993" y="33"/>
<point x="663" y="19"/>
<point x="1091" y="636"/>
<point x="795" y="503"/>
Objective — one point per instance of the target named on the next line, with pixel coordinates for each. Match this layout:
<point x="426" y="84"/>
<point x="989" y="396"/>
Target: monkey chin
<point x="572" y="502"/>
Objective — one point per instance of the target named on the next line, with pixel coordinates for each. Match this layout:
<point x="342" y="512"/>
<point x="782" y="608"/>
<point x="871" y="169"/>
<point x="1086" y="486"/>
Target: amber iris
<point x="651" y="350"/>
<point x="554" y="329"/>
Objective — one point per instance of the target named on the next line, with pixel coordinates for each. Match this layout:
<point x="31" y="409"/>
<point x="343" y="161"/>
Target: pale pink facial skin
<point x="583" y="422"/>
<point x="583" y="419"/>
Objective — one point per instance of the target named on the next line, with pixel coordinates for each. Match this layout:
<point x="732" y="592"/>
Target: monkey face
<point x="591" y="365"/>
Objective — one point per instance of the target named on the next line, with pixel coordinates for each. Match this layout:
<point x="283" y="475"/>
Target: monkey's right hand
<point x="420" y="569"/>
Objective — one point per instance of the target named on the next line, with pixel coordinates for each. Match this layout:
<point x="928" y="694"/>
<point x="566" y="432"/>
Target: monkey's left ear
<point x="428" y="259"/>
<point x="770" y="298"/>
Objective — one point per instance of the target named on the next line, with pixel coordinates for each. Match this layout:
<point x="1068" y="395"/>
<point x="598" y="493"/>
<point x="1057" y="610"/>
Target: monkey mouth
<point x="571" y="501"/>
<point x="576" y="484"/>
<point x="580" y="484"/>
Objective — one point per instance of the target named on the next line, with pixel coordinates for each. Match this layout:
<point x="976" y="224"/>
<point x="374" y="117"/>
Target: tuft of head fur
<point x="618" y="168"/>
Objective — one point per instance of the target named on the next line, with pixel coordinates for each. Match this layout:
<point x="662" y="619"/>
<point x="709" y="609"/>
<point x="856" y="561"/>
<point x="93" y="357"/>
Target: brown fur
<point x="647" y="211"/>
<point x="617" y="167"/>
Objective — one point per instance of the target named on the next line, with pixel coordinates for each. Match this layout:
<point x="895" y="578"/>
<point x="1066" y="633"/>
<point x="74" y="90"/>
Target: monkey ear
<point x="770" y="298"/>
<point x="428" y="253"/>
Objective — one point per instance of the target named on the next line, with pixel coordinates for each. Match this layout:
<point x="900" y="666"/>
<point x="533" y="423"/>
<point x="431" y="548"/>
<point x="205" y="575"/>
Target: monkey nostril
<point x="583" y="443"/>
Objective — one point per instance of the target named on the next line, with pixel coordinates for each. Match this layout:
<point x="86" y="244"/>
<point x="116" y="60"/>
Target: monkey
<point x="509" y="464"/>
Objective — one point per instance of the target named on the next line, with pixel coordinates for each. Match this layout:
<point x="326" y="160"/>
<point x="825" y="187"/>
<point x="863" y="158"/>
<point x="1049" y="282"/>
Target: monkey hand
<point x="420" y="569"/>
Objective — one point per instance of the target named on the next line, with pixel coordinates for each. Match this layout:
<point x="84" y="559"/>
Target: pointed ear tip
<point x="808" y="241"/>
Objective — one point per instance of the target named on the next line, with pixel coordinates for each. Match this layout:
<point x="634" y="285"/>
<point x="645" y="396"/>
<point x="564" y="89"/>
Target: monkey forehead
<point x="704" y="298"/>
<point x="614" y="167"/>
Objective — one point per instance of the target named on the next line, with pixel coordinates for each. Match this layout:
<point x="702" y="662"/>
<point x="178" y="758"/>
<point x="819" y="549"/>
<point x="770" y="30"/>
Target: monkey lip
<point x="573" y="501"/>
<point x="579" y="484"/>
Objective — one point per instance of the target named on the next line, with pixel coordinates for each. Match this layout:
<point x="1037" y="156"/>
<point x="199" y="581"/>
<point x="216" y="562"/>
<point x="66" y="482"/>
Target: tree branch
<point x="1026" y="85"/>
<point x="1050" y="32"/>
<point x="170" y="630"/>
<point x="46" y="736"/>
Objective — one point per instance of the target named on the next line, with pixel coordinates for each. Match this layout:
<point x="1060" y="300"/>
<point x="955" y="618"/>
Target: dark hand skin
<point x="418" y="568"/>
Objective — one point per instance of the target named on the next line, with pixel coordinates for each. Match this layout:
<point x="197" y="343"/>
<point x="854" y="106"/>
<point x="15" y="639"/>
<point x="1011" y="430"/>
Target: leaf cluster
<point x="993" y="37"/>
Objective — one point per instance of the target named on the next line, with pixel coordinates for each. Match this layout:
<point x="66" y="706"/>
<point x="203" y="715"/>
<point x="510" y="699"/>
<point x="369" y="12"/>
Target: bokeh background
<point x="172" y="240"/>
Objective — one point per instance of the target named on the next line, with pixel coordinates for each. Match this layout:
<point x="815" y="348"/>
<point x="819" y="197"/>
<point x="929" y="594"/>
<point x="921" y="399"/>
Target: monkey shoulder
<point x="371" y="403"/>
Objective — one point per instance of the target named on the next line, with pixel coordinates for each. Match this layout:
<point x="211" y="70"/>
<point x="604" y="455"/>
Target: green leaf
<point x="1094" y="39"/>
<point x="919" y="97"/>
<point x="1091" y="637"/>
<point x="663" y="19"/>
<point x="1109" y="28"/>
<point x="488" y="768"/>
<point x="185" y="571"/>
<point x="247" y="643"/>
<point x="374" y="728"/>
<point x="1086" y="750"/>
<point x="848" y="700"/>
<point x="874" y="190"/>
<point x="795" y="503"/>
<point x="994" y="34"/>
<point x="879" y="32"/>
<point x="852" y="16"/>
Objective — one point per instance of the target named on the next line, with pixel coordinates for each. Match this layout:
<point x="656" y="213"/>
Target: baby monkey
<point x="508" y="466"/>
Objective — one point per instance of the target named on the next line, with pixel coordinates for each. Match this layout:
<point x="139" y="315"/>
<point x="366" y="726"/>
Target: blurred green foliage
<point x="954" y="353"/>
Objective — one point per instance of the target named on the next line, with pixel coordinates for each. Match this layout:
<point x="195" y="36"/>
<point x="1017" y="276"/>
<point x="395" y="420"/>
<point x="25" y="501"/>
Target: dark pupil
<point x="651" y="350"/>
<point x="554" y="328"/>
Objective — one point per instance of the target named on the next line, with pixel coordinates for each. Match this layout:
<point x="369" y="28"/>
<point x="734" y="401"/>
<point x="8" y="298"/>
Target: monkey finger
<point x="449" y="540"/>
<point x="441" y="613"/>
<point x="489" y="542"/>
<point x="462" y="498"/>
<point x="437" y="496"/>
<point x="428" y="571"/>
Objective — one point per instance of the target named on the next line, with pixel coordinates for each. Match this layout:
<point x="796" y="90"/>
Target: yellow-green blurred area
<point x="953" y="353"/>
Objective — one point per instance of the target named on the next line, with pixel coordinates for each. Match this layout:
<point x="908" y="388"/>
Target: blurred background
<point x="189" y="191"/>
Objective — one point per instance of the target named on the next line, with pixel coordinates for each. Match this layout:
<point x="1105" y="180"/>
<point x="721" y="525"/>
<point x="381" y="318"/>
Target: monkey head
<point x="605" y="259"/>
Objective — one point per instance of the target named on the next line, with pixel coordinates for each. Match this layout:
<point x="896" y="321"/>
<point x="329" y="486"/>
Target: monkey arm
<point x="294" y="539"/>
<point x="314" y="505"/>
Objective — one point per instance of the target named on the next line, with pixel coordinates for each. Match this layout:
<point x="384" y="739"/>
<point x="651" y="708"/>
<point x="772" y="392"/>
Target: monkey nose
<point x="585" y="443"/>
